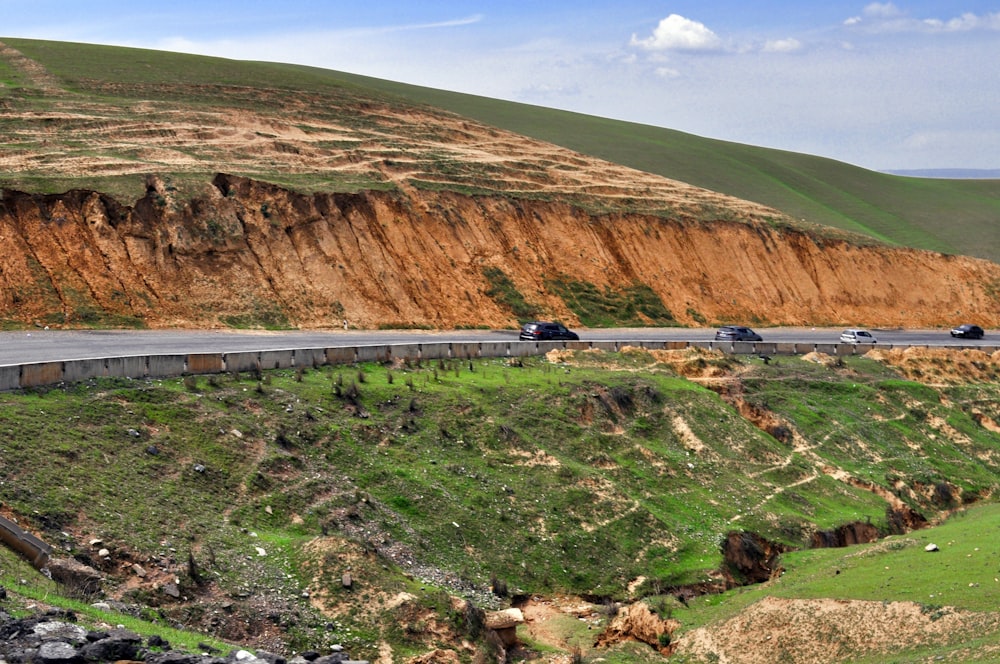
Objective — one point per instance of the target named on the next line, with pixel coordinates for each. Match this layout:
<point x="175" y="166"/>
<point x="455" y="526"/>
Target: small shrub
<point x="499" y="586"/>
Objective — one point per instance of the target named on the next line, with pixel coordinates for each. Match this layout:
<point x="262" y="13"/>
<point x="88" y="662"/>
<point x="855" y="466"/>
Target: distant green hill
<point x="947" y="215"/>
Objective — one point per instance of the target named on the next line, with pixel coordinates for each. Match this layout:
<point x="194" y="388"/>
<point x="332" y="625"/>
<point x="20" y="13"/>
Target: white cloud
<point x="782" y="45"/>
<point x="886" y="17"/>
<point x="882" y="10"/>
<point x="667" y="72"/>
<point x="678" y="33"/>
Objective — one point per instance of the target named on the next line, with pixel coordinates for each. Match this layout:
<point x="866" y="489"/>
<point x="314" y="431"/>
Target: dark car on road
<point x="736" y="333"/>
<point x="546" y="331"/>
<point x="967" y="331"/>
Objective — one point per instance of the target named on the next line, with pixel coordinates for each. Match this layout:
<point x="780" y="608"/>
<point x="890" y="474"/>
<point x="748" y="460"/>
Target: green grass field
<point x="576" y="477"/>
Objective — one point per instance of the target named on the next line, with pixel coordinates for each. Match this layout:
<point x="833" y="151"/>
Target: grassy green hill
<point x="608" y="476"/>
<point x="953" y="216"/>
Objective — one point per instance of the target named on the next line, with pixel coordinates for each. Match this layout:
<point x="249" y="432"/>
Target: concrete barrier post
<point x="205" y="363"/>
<point x="167" y="365"/>
<point x="127" y="367"/>
<point x="77" y="371"/>
<point x="276" y="359"/>
<point x="41" y="373"/>
<point x="10" y="377"/>
<point x="379" y="353"/>
<point x="240" y="362"/>
<point x="309" y="357"/>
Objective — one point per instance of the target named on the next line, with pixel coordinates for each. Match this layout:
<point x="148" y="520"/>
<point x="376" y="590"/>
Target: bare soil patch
<point x="827" y="630"/>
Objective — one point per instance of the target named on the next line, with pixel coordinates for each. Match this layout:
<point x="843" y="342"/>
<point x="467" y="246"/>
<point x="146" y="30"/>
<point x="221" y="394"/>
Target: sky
<point x="907" y="84"/>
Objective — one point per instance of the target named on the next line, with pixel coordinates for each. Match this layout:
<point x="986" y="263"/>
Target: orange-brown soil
<point x="250" y="253"/>
<point x="257" y="251"/>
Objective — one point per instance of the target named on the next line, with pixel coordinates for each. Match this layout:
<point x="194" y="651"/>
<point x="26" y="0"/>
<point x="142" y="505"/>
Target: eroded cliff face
<point x="248" y="253"/>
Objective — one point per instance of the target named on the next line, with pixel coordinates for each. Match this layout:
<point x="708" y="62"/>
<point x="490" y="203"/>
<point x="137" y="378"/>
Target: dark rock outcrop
<point x="54" y="637"/>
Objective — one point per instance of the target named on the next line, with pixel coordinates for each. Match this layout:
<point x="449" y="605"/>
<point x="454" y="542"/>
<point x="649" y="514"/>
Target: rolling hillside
<point x="948" y="215"/>
<point x="623" y="507"/>
<point x="151" y="188"/>
<point x="621" y="502"/>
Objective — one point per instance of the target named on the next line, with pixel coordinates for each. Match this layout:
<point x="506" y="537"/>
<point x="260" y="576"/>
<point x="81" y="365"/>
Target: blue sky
<point x="885" y="85"/>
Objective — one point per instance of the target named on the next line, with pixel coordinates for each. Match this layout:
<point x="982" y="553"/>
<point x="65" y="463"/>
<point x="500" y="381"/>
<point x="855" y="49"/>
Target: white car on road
<point x="854" y="336"/>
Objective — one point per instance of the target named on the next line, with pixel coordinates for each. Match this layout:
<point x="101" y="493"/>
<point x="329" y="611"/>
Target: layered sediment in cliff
<point x="248" y="253"/>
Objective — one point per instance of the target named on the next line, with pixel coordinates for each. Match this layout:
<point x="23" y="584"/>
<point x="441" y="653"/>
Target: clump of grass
<point x="633" y="306"/>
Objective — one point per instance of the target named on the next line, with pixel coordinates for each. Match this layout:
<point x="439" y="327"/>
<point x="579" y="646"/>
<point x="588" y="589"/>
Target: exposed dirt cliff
<point x="249" y="253"/>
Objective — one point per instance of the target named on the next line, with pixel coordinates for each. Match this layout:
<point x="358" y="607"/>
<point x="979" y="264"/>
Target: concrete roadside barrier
<point x="523" y="348"/>
<point x="276" y="359"/>
<point x="77" y="371"/>
<point x="242" y="361"/>
<point x="494" y="349"/>
<point x="378" y="353"/>
<point x="205" y="363"/>
<point x="162" y="366"/>
<point x="408" y="352"/>
<point x="41" y="373"/>
<point x="127" y="367"/>
<point x="346" y="355"/>
<point x="435" y="351"/>
<point x="10" y="377"/>
<point x="309" y="358"/>
<point x="30" y="547"/>
<point x="464" y="351"/>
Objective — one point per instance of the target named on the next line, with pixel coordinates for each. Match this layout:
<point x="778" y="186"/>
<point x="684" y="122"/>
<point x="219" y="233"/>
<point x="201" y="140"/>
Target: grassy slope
<point x="469" y="469"/>
<point x="953" y="216"/>
<point x="963" y="577"/>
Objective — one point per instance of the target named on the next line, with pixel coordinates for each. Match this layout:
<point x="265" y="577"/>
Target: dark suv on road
<point x="967" y="331"/>
<point x="736" y="333"/>
<point x="545" y="331"/>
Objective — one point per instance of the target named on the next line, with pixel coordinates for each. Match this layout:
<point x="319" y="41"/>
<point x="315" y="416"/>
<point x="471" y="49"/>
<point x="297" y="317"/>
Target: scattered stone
<point x="138" y="571"/>
<point x="58" y="652"/>
<point x="171" y="590"/>
<point x="346" y="581"/>
<point x="74" y="574"/>
<point x="931" y="547"/>
<point x="60" y="631"/>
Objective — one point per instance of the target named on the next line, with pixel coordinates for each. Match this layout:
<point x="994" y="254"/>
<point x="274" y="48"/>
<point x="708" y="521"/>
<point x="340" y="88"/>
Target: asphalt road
<point x="53" y="345"/>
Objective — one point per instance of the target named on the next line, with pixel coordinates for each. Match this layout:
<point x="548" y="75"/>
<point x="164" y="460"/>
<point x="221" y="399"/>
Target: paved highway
<point x="51" y="345"/>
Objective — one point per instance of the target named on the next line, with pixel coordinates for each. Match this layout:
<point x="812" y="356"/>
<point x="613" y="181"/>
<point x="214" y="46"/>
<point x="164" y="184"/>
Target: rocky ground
<point x="54" y="637"/>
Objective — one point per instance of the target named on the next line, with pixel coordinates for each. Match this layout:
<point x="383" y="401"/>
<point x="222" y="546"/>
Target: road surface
<point x="40" y="345"/>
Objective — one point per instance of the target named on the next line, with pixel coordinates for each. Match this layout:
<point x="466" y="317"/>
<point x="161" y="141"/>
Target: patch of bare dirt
<point x="941" y="366"/>
<point x="822" y="631"/>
